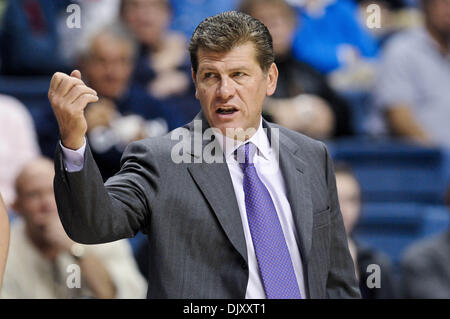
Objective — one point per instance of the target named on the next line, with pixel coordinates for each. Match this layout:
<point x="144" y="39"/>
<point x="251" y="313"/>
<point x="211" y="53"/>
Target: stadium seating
<point x="395" y="171"/>
<point x="392" y="227"/>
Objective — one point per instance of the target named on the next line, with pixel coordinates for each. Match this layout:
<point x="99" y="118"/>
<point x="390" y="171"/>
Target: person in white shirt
<point x="4" y="238"/>
<point x="18" y="143"/>
<point x="45" y="263"/>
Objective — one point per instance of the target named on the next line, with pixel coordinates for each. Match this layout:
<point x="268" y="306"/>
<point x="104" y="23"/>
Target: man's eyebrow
<point x="206" y="68"/>
<point x="232" y="69"/>
<point x="239" y="68"/>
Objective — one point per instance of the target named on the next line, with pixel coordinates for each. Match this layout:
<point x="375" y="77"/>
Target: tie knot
<point x="245" y="154"/>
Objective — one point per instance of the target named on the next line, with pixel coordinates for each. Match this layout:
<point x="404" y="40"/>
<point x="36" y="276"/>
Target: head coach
<point x="223" y="229"/>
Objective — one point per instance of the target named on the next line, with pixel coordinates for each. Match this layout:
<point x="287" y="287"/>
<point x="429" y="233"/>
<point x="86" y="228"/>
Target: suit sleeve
<point x="341" y="282"/>
<point x="92" y="212"/>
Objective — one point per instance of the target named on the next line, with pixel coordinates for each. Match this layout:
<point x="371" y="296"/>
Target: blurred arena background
<point x="369" y="78"/>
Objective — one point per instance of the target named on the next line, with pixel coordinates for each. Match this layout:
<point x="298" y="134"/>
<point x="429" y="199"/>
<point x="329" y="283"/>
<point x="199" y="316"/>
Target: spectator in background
<point x="425" y="266"/>
<point x="2" y="9"/>
<point x="18" y="143"/>
<point x="412" y="90"/>
<point x="322" y="115"/>
<point x="29" y="30"/>
<point x="4" y="238"/>
<point x="163" y="66"/>
<point x="187" y="14"/>
<point x="395" y="16"/>
<point x="107" y="65"/>
<point x="95" y="15"/>
<point x="40" y="251"/>
<point x="330" y="37"/>
<point x="349" y="195"/>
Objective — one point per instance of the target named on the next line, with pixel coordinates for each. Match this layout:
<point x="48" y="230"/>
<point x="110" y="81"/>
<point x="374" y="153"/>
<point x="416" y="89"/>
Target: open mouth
<point x="226" y="110"/>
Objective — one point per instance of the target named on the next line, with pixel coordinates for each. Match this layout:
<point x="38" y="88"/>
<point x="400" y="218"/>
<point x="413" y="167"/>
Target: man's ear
<point x="272" y="78"/>
<point x="195" y="82"/>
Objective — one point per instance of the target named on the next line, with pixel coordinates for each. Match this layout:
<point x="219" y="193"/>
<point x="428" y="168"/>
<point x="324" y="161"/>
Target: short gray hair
<point x="117" y="31"/>
<point x="227" y="30"/>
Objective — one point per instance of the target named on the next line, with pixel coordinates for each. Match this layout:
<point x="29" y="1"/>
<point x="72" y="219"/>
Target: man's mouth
<point x="226" y="110"/>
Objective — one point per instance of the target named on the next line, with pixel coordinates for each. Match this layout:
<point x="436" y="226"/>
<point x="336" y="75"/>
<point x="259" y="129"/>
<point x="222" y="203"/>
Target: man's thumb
<point x="76" y="74"/>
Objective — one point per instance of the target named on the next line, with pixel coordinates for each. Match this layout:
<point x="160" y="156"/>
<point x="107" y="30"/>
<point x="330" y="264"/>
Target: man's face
<point x="35" y="198"/>
<point x="108" y="67"/>
<point x="438" y="15"/>
<point x="280" y="23"/>
<point x="148" y="19"/>
<point x="231" y="87"/>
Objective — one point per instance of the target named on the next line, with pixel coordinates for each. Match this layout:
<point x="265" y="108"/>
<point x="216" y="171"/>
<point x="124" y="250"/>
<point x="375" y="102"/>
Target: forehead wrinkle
<point x="228" y="69"/>
<point x="233" y="64"/>
<point x="234" y="57"/>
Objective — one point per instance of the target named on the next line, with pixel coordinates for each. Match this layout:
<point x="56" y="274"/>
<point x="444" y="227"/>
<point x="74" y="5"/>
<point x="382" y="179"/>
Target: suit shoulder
<point x="158" y="145"/>
<point x="149" y="150"/>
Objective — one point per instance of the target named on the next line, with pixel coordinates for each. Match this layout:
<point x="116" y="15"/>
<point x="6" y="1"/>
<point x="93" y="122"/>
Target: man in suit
<point x="236" y="227"/>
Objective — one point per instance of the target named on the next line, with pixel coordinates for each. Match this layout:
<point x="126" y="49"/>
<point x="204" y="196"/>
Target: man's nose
<point x="226" y="88"/>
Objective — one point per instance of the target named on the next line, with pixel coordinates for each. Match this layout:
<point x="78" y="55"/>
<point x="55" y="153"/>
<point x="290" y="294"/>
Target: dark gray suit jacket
<point x="426" y="268"/>
<point x="190" y="213"/>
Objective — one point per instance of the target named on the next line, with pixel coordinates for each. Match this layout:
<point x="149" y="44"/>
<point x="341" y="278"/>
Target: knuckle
<point x="80" y="82"/>
<point x="54" y="101"/>
<point x="61" y="76"/>
<point x="77" y="89"/>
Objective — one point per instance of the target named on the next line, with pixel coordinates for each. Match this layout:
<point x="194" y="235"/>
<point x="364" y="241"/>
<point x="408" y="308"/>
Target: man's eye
<point x="208" y="75"/>
<point x="238" y="74"/>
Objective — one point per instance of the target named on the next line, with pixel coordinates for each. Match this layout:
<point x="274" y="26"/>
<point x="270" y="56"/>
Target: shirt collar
<point x="260" y="140"/>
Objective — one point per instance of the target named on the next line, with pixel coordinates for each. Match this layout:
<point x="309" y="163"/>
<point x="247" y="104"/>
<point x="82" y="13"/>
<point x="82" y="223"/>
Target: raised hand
<point x="69" y="96"/>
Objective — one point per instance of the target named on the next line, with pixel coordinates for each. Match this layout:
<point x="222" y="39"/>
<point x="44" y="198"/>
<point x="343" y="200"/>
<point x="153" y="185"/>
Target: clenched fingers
<point x="61" y="84"/>
<point x="77" y="91"/>
<point x="84" y="99"/>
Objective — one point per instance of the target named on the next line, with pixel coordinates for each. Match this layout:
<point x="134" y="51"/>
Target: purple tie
<point x="272" y="253"/>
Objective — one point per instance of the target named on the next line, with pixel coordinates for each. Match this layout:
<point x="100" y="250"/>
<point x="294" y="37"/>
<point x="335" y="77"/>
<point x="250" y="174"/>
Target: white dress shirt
<point x="267" y="167"/>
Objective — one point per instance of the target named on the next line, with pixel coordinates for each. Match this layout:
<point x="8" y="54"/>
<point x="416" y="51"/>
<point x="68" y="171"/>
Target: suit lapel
<point x="297" y="187"/>
<point x="214" y="181"/>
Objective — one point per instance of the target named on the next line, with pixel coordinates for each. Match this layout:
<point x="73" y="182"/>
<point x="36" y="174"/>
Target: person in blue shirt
<point x="162" y="66"/>
<point x="30" y="39"/>
<point x="187" y="14"/>
<point x="329" y="35"/>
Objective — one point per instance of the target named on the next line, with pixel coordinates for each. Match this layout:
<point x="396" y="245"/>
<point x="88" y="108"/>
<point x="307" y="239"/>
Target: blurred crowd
<point x="348" y="69"/>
